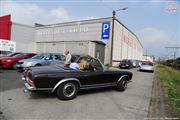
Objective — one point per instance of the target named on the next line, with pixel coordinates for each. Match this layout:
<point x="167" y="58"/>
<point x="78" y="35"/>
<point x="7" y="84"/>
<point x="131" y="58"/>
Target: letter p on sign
<point x="105" y="32"/>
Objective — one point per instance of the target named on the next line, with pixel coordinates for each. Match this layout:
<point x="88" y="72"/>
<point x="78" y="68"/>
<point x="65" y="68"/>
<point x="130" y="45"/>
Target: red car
<point x="10" y="62"/>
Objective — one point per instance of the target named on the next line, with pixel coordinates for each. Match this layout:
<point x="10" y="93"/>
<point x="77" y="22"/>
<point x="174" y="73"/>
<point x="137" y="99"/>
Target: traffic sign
<point x="105" y="32"/>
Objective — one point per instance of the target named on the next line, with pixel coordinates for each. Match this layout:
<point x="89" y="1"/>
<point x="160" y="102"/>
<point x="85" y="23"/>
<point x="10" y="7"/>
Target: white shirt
<point x="74" y="66"/>
<point x="68" y="58"/>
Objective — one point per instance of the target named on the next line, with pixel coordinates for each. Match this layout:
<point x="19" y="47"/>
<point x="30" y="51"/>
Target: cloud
<point x="32" y="13"/>
<point x="151" y="35"/>
<point x="155" y="40"/>
<point x="60" y="13"/>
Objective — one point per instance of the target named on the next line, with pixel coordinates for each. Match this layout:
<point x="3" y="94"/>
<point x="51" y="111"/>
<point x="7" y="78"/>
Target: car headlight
<point x="8" y="60"/>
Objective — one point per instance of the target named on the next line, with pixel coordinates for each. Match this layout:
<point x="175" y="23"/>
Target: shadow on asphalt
<point x="95" y="91"/>
<point x="45" y="95"/>
<point x="41" y="95"/>
<point x="146" y="71"/>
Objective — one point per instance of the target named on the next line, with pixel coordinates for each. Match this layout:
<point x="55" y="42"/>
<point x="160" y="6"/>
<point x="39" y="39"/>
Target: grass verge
<point x="170" y="79"/>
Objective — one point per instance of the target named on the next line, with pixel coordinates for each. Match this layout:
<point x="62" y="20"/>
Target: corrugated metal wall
<point x="83" y="48"/>
<point x="126" y="44"/>
<point x="23" y="35"/>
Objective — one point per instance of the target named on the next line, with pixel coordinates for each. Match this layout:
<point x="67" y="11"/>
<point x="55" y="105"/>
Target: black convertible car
<point x="66" y="82"/>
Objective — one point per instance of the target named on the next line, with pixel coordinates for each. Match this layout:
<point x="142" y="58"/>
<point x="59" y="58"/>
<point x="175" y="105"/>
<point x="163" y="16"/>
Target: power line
<point x="106" y="5"/>
<point x="173" y="51"/>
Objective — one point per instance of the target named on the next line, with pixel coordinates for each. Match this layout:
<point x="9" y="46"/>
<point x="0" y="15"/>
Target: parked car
<point x="126" y="63"/>
<point x="11" y="62"/>
<point x="67" y="82"/>
<point x="146" y="66"/>
<point x="134" y="63"/>
<point x="41" y="60"/>
<point x="139" y="62"/>
<point x="10" y="54"/>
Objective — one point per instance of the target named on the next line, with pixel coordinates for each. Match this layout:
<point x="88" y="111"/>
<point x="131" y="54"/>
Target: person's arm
<point x="68" y="59"/>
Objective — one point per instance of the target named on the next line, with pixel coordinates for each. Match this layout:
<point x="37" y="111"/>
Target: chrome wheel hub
<point x="69" y="89"/>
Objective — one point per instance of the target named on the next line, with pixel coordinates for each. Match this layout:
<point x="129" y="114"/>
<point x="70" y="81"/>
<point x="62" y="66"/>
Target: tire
<point x="14" y="65"/>
<point x="122" y="85"/>
<point x="67" y="91"/>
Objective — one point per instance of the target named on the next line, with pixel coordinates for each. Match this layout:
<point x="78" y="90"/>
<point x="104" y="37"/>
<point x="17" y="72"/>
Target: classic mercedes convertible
<point x="66" y="82"/>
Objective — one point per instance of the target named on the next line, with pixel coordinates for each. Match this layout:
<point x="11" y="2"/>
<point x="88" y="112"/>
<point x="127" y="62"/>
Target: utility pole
<point x="112" y="37"/>
<point x="146" y="54"/>
<point x="175" y="49"/>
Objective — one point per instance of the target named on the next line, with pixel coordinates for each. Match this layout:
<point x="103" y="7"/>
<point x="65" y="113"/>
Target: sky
<point x="155" y="22"/>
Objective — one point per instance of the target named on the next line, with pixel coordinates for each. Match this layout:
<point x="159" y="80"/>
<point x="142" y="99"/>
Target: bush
<point x="173" y="63"/>
<point x="171" y="80"/>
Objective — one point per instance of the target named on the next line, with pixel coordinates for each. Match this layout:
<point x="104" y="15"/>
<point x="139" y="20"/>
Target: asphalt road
<point x="93" y="104"/>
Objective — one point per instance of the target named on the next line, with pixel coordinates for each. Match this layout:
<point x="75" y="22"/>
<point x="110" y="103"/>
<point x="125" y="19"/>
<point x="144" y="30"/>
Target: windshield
<point x="125" y="61"/>
<point x="18" y="55"/>
<point x="12" y="54"/>
<point x="146" y="63"/>
<point x="96" y="64"/>
<point x="40" y="56"/>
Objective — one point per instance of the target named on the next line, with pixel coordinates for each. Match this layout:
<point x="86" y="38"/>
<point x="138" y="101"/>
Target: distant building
<point x="15" y="36"/>
<point x="149" y="58"/>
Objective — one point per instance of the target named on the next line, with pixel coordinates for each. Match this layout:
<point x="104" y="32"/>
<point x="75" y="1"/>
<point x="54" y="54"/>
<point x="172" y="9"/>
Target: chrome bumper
<point x="28" y="88"/>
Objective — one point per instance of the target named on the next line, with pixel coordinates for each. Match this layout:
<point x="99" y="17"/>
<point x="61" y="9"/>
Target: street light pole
<point x="112" y="37"/>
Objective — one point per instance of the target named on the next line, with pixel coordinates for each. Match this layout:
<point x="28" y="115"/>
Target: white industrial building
<point x="23" y="35"/>
<point x="86" y="37"/>
<point x="22" y="39"/>
<point x="92" y="37"/>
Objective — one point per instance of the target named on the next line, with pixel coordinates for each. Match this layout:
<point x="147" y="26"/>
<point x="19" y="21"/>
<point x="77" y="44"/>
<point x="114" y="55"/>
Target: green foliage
<point x="108" y="65"/>
<point x="173" y="63"/>
<point x="171" y="80"/>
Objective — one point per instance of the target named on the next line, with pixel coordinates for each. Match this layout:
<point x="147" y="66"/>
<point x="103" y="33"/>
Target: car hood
<point x="29" y="60"/>
<point x="50" y="69"/>
<point x="7" y="58"/>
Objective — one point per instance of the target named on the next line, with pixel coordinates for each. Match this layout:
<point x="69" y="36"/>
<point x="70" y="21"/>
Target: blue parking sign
<point x="105" y="32"/>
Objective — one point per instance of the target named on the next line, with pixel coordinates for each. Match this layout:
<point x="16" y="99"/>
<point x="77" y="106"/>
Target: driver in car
<point x="84" y="65"/>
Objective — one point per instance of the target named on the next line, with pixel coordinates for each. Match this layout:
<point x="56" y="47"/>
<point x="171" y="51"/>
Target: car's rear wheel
<point x="67" y="90"/>
<point x="122" y="84"/>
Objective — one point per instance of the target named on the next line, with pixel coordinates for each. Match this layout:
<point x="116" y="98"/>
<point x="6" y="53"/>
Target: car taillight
<point x="30" y="82"/>
<point x="29" y="76"/>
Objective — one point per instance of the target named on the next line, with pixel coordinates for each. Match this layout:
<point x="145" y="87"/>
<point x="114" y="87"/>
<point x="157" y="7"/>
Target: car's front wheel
<point x="14" y="66"/>
<point x="38" y="65"/>
<point x="67" y="90"/>
<point x="122" y="84"/>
